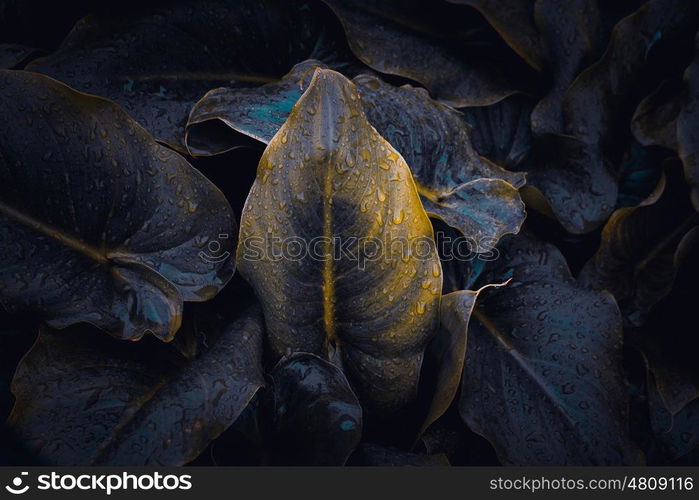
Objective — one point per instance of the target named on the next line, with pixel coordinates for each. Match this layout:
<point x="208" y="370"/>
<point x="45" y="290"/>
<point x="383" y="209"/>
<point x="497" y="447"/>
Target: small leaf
<point x="543" y="379"/>
<point x="257" y="112"/>
<point x="85" y="399"/>
<point x="448" y="350"/>
<point x="330" y="182"/>
<point x="317" y="417"/>
<point x="642" y="248"/>
<point x="98" y="222"/>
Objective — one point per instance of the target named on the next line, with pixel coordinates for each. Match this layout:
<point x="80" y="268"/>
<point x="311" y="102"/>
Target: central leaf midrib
<point x="328" y="278"/>
<point x="54" y="233"/>
<point x="519" y="358"/>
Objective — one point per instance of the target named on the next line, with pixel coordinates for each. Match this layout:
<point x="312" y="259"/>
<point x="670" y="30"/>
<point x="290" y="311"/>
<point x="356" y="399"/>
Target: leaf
<point x="543" y="380"/>
<point x="547" y="37"/>
<point x="668" y="118"/>
<point x="317" y="417"/>
<point x="668" y="340"/>
<point x="99" y="223"/>
<point x="595" y="104"/>
<point x="501" y="132"/>
<point x="571" y="181"/>
<point x="156" y="61"/>
<point x="257" y="112"/>
<point x="513" y="20"/>
<point x="399" y="45"/>
<point x="642" y="248"/>
<point x="85" y="399"/>
<point x="677" y="434"/>
<point x="571" y="39"/>
<point x="326" y="180"/>
<point x="655" y="119"/>
<point x="455" y="183"/>
<point x="448" y="350"/>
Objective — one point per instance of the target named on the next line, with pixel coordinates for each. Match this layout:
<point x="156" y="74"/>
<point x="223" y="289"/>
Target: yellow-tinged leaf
<point x="340" y="269"/>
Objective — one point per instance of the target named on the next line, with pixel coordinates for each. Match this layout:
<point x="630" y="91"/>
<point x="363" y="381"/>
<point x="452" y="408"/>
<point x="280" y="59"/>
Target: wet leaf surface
<point x="571" y="181"/>
<point x="642" y="248"/>
<point x="468" y="192"/>
<point x="543" y="364"/>
<point x="317" y="417"/>
<point x="402" y="43"/>
<point x="597" y="100"/>
<point x="86" y="399"/>
<point x="548" y="36"/>
<point x="328" y="177"/>
<point x="207" y="44"/>
<point x="257" y="112"/>
<point x="455" y="183"/>
<point x="103" y="225"/>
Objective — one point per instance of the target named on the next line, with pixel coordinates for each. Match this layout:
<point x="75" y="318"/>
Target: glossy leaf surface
<point x="99" y="223"/>
<point x="543" y="380"/>
<point x="86" y="399"/>
<point x="328" y="177"/>
<point x="455" y="183"/>
<point x="317" y="417"/>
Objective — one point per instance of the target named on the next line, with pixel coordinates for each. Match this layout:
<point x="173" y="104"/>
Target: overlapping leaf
<point x="317" y="419"/>
<point x="330" y="182"/>
<point x="596" y="102"/>
<point x="642" y="247"/>
<point x="448" y="350"/>
<point x="571" y="181"/>
<point x="502" y="132"/>
<point x="86" y="399"/>
<point x="158" y="60"/>
<point x="99" y="223"/>
<point x="455" y="183"/>
<point x="543" y="380"/>
<point x="546" y="36"/>
<point x="400" y="41"/>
